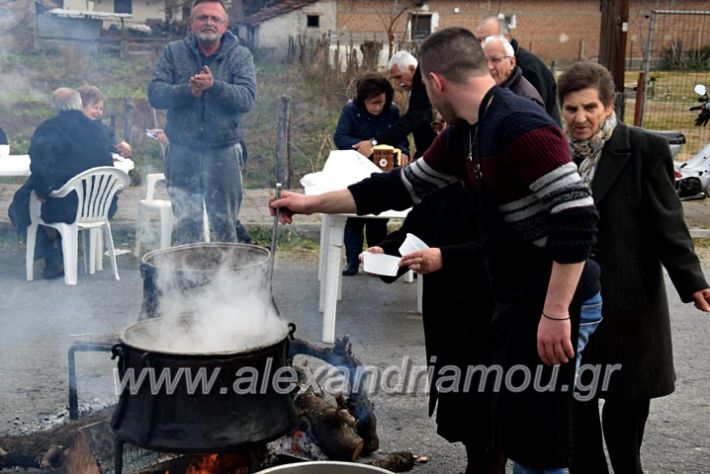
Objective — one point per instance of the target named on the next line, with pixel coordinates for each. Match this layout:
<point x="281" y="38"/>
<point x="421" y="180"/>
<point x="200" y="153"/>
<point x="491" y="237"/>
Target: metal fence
<point x="677" y="57"/>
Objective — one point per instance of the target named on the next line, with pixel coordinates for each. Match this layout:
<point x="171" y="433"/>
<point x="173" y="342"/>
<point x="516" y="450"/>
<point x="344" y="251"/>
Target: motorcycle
<point x="692" y="178"/>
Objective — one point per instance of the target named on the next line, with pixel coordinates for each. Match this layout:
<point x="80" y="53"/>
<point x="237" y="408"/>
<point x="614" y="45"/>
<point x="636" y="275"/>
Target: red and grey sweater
<point x="526" y="176"/>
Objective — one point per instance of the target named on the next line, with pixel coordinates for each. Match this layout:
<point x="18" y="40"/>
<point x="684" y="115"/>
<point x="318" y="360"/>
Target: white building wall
<point x="274" y="34"/>
<point x="142" y="9"/>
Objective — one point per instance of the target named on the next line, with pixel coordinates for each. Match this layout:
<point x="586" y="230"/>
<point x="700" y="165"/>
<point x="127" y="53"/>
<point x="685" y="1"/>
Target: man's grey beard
<point x="207" y="38"/>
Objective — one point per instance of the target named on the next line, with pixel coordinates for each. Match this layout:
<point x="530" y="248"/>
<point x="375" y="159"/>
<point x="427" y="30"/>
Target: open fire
<point x="223" y="463"/>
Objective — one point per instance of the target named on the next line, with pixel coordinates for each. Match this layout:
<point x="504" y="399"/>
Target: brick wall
<point x="561" y="30"/>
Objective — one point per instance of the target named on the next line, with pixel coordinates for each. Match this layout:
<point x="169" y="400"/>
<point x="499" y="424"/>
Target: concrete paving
<point x="40" y="319"/>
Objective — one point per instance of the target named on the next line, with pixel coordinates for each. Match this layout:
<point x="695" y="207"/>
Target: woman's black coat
<point x="457" y="307"/>
<point x="641" y="230"/>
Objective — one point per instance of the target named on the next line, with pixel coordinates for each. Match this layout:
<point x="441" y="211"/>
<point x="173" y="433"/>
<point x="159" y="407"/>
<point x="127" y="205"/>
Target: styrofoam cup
<point x="4" y="151"/>
<point x="381" y="264"/>
<point x="411" y="244"/>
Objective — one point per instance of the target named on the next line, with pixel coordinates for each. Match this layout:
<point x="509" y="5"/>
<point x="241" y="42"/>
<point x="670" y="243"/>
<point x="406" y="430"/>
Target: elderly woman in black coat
<point x="641" y="230"/>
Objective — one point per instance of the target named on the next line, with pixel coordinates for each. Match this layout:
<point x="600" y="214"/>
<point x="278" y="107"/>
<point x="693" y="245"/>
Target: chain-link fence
<point x="677" y="57"/>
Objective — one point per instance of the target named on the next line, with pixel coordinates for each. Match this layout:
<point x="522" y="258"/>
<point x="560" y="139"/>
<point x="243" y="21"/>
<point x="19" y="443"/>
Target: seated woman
<point x="369" y="112"/>
<point x="92" y="104"/>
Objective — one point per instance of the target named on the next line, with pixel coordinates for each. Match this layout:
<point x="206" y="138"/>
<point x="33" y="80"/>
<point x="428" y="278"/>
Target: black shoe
<point x="351" y="269"/>
<point x="243" y="236"/>
<point x="52" y="272"/>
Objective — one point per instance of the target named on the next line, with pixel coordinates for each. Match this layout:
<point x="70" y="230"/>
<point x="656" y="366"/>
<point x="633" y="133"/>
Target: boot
<point x="53" y="261"/>
<point x="351" y="268"/>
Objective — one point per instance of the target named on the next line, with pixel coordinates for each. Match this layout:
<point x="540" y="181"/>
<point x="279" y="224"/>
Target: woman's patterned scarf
<point x="586" y="153"/>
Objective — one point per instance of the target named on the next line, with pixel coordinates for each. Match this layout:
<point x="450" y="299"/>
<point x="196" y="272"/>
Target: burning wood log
<point x="43" y="449"/>
<point x="358" y="405"/>
<point x="400" y="461"/>
<point x="332" y="426"/>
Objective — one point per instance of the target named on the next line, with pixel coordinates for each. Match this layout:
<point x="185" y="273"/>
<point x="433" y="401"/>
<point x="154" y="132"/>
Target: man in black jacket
<point x="404" y="71"/>
<point x="534" y="70"/>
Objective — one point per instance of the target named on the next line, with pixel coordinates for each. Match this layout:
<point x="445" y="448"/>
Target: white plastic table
<point x="19" y="165"/>
<point x="342" y="168"/>
<point x="329" y="268"/>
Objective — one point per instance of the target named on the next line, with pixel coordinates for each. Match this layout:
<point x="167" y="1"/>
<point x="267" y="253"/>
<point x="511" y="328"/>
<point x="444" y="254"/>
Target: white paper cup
<point x="381" y="264"/>
<point x="411" y="244"/>
<point x="4" y="151"/>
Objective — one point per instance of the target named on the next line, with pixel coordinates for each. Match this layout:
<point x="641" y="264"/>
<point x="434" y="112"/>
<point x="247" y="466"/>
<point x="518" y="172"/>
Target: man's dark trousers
<point x="211" y="177"/>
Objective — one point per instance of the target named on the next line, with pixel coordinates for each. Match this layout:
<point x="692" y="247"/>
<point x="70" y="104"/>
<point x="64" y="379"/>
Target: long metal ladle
<point x="274" y="228"/>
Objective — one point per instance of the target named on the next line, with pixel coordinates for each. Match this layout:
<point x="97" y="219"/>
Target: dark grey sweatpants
<point x="204" y="177"/>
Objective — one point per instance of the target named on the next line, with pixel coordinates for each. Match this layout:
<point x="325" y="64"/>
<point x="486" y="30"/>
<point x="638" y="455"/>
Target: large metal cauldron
<point x="186" y="269"/>
<point x="215" y="414"/>
<point x="324" y="467"/>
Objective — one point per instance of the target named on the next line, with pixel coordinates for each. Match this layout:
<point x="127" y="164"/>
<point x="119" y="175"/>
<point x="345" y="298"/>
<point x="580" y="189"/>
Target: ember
<point x="218" y="464"/>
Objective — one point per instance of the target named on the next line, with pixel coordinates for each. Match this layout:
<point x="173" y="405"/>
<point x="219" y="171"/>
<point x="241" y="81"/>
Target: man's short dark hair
<point x="197" y="2"/>
<point x="585" y="75"/>
<point x="455" y="53"/>
<point x="373" y="84"/>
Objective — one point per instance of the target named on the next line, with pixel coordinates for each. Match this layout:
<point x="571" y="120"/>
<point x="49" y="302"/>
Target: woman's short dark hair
<point x="373" y="84"/>
<point x="585" y="75"/>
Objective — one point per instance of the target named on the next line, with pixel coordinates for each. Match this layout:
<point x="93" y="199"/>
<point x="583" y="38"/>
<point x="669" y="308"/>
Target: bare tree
<point x="389" y="15"/>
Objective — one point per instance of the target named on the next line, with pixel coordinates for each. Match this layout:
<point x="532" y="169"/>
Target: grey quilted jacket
<point x="212" y="120"/>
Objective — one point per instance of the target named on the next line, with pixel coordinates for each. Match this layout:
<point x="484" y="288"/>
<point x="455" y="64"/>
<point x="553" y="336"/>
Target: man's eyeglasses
<point x="205" y="18"/>
<point x="497" y="59"/>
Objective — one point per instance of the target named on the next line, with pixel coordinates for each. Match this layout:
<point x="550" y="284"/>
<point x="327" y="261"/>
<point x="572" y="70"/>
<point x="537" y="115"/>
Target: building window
<point x="420" y="26"/>
<point x="509" y="19"/>
<point x="313" y="21"/>
<point x="123" y="6"/>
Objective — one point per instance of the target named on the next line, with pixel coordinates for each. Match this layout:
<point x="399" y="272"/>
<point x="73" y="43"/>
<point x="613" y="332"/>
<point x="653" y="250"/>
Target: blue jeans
<point x="589" y="318"/>
<point x="519" y="469"/>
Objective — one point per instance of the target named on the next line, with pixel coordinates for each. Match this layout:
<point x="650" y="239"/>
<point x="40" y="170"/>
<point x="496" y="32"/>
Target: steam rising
<point x="216" y="298"/>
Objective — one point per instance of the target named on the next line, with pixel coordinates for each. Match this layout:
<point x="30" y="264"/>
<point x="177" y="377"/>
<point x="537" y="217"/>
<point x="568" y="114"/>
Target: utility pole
<point x="612" y="45"/>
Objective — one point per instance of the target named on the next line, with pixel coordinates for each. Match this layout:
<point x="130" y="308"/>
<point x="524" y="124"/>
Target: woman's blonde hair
<point x="90" y="95"/>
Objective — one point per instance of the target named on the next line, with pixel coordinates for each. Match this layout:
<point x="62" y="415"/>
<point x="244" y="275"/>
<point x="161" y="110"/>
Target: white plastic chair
<point x="165" y="212"/>
<point x="95" y="189"/>
<point x="151" y="204"/>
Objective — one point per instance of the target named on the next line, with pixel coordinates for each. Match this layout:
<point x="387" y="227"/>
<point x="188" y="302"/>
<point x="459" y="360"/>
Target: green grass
<point x="286" y="239"/>
<point x="667" y="105"/>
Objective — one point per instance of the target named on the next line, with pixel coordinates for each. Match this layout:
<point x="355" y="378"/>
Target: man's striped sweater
<point x="525" y="172"/>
